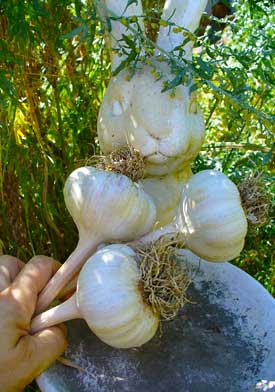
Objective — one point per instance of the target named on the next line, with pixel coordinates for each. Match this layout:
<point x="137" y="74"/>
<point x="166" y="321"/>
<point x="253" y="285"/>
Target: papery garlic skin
<point x="168" y="131"/>
<point x="109" y="205"/>
<point x="110" y="299"/>
<point x="166" y="191"/>
<point x="211" y="216"/>
<point x="105" y="206"/>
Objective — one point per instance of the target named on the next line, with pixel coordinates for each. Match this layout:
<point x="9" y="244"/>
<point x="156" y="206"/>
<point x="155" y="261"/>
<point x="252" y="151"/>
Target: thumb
<point x="41" y="350"/>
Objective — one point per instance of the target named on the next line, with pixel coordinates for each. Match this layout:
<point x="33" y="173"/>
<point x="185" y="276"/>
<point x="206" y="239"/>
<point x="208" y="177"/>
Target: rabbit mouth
<point x="158" y="157"/>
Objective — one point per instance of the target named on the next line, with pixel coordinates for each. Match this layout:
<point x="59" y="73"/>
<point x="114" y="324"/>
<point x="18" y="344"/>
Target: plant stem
<point x="235" y="146"/>
<point x="63" y="312"/>
<point x="168" y="230"/>
<point x="66" y="272"/>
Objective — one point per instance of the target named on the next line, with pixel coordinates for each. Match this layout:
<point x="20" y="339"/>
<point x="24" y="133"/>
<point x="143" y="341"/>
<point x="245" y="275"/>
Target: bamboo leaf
<point x="130" y="2"/>
<point x="79" y="29"/>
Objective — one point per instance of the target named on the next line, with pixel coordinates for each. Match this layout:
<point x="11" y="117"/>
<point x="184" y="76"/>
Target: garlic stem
<point x="167" y="230"/>
<point x="153" y="236"/>
<point x="66" y="272"/>
<point x="63" y="312"/>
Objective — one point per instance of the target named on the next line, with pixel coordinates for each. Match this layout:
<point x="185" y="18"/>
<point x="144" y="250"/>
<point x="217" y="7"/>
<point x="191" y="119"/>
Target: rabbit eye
<point x="116" y="108"/>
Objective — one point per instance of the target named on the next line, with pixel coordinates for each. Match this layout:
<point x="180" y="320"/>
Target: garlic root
<point x="256" y="201"/>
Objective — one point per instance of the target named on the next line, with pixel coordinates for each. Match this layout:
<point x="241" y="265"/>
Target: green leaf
<point x="174" y="82"/>
<point x="129" y="3"/>
<point x="269" y="155"/>
<point x="5" y="84"/>
<point x="125" y="63"/>
<point x="130" y="42"/>
<point x="108" y="24"/>
<point x="74" y="32"/>
<point x="78" y="7"/>
<point x="40" y="11"/>
<point x="205" y="68"/>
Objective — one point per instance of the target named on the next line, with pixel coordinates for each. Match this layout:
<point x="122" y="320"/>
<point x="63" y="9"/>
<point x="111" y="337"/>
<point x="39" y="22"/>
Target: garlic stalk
<point x="105" y="207"/>
<point x="210" y="218"/>
<point x="109" y="298"/>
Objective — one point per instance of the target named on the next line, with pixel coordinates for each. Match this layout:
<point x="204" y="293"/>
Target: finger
<point x="31" y="280"/>
<point x="9" y="268"/>
<point x="40" y="351"/>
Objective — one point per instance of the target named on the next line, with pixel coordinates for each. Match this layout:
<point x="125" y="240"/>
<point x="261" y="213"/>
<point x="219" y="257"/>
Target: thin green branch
<point x="235" y="146"/>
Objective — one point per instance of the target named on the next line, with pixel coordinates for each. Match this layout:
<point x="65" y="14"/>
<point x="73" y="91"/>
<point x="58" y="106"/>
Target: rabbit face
<point x="166" y="130"/>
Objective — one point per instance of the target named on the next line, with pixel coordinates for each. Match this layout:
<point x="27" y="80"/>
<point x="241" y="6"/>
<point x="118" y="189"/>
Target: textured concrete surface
<point x="223" y="340"/>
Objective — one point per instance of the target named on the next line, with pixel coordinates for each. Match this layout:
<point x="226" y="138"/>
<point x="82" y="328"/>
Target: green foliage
<point x="52" y="79"/>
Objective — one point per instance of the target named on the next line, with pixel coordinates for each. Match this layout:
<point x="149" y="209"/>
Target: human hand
<point x="23" y="356"/>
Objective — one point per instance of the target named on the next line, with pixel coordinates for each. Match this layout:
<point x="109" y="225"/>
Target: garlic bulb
<point x="167" y="131"/>
<point x="105" y="206"/>
<point x="210" y="217"/>
<point x="109" y="298"/>
<point x="165" y="191"/>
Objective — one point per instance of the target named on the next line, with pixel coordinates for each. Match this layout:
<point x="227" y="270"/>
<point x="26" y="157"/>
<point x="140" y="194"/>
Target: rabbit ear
<point x="119" y="8"/>
<point x="185" y="13"/>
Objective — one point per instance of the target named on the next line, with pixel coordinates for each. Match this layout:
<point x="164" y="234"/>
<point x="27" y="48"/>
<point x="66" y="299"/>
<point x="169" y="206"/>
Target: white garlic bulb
<point x="105" y="206"/>
<point x="108" y="205"/>
<point x="109" y="298"/>
<point x="211" y="216"/>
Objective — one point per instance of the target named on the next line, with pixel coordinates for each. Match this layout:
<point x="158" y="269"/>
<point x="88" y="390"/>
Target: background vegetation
<point x="54" y="69"/>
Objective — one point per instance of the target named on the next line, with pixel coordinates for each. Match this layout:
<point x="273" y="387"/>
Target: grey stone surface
<point x="223" y="341"/>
